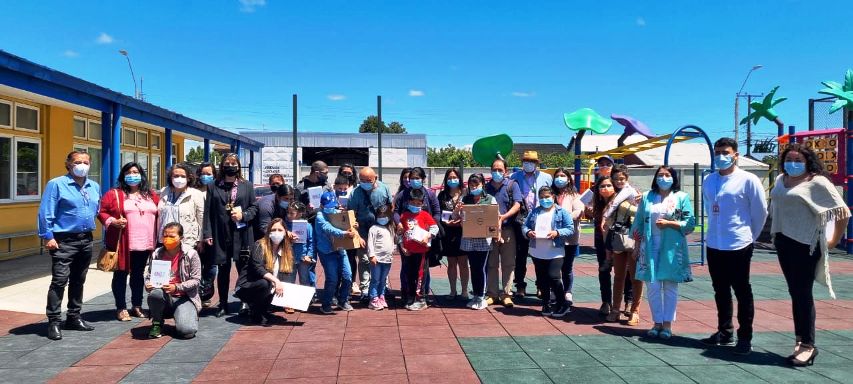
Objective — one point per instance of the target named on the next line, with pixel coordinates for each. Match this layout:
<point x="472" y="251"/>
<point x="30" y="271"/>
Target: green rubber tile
<point x="490" y="361"/>
<point x="823" y="357"/>
<point x="546" y="343"/>
<point x="685" y="341"/>
<point x="634" y="357"/>
<point x="521" y="376"/>
<point x="718" y="374"/>
<point x="693" y="356"/>
<point x="823" y="338"/>
<point x="842" y="332"/>
<point x="488" y="344"/>
<point x="763" y="339"/>
<point x="563" y="359"/>
<point x="585" y="375"/>
<point x="842" y="350"/>
<point x="840" y="372"/>
<point x="651" y="375"/>
<point x="588" y="342"/>
<point x="785" y="374"/>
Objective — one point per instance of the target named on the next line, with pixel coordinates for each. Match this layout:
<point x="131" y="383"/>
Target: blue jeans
<point x="306" y="273"/>
<point x="378" y="275"/>
<point x="335" y="267"/>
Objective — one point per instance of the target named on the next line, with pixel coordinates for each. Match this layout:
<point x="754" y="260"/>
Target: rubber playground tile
<point x="437" y="346"/>
<point x="633" y="357"/>
<point x="308" y="348"/>
<point x="424" y="331"/>
<point x="434" y="318"/>
<point x="298" y="380"/>
<point x="397" y="378"/>
<point x="474" y="317"/>
<point x="305" y="366"/>
<point x="590" y="342"/>
<point x="693" y="356"/>
<point x="834" y="371"/>
<point x="245" y="370"/>
<point x="28" y="375"/>
<point x="371" y="365"/>
<point x="718" y="374"/>
<point x="489" y="344"/>
<point x="651" y="375"/>
<point x="487" y="361"/>
<point x="772" y="338"/>
<point x="316" y="334"/>
<point x="479" y="330"/>
<point x="824" y="356"/>
<point x="454" y="362"/>
<point x="372" y="333"/>
<point x="164" y="373"/>
<point x="586" y="375"/>
<point x="261" y="336"/>
<point x="372" y="347"/>
<point x="536" y="329"/>
<point x="92" y="374"/>
<point x="785" y="374"/>
<point x="250" y="351"/>
<point x="520" y="376"/>
<point x="563" y="359"/>
<point x="458" y="377"/>
<point x="546" y="343"/>
<point x="125" y="356"/>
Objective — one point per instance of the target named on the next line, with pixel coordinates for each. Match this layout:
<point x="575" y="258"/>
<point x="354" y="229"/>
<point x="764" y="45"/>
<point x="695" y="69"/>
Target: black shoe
<point x="717" y="339"/>
<point x="272" y="318"/>
<point x="546" y="310"/>
<point x="221" y="312"/>
<point x="77" y="324"/>
<point x="53" y="331"/>
<point x="561" y="311"/>
<point x="743" y="348"/>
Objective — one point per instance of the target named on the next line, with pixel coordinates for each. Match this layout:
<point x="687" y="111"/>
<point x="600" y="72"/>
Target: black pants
<point x="223" y="280"/>
<point x="70" y="265"/>
<point x="798" y="266"/>
<point x="548" y="278"/>
<point x="605" y="283"/>
<point x="256" y="294"/>
<point x="138" y="260"/>
<point x="479" y="267"/>
<point x="522" y="243"/>
<point x="730" y="271"/>
<point x="416" y="270"/>
<point x="568" y="267"/>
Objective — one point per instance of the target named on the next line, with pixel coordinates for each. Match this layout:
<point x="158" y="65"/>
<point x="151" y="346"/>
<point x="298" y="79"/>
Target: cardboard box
<point x="344" y="220"/>
<point x="480" y="221"/>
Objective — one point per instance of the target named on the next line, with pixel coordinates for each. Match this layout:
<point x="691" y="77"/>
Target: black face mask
<point x="274" y="188"/>
<point x="231" y="170"/>
<point x="322" y="178"/>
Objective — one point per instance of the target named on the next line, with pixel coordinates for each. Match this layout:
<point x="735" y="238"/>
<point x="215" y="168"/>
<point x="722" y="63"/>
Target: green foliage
<point x="196" y="155"/>
<point x="371" y="125"/>
<point x="556" y="160"/>
<point x="450" y="156"/>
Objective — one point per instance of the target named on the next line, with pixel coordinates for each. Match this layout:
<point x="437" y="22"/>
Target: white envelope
<point x="314" y="194"/>
<point x="300" y="228"/>
<point x="295" y="296"/>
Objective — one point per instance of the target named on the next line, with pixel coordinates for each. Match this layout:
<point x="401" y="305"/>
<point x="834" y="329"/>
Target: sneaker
<point x="479" y="304"/>
<point x="418" y="306"/>
<point x="563" y="310"/>
<point x="507" y="302"/>
<point x="326" y="309"/>
<point x="546" y="310"/>
<point x="375" y="304"/>
<point x="519" y="293"/>
<point x="471" y="303"/>
<point x="383" y="302"/>
<point x="569" y="299"/>
<point x="742" y="348"/>
<point x="345" y="307"/>
<point x="604" y="310"/>
<point x="490" y="300"/>
<point x="155" y="332"/>
<point x="717" y="339"/>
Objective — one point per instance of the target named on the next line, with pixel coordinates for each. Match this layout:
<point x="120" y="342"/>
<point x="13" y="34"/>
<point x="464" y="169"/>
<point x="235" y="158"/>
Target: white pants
<point x="663" y="297"/>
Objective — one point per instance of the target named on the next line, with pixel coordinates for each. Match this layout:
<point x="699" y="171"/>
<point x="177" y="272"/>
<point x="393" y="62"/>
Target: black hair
<point x="297" y="205"/>
<point x="813" y="164"/>
<point x="506" y="166"/>
<point x="726" y="142"/>
<point x="417" y="194"/>
<point x="275" y="176"/>
<point x="545" y="189"/>
<point x="143" y="185"/>
<point x="201" y="166"/>
<point x="221" y="175"/>
<point x="71" y="155"/>
<point x="186" y="168"/>
<point x="617" y="169"/>
<point x="447" y="175"/>
<point x="418" y="172"/>
<point x="478" y="177"/>
<point x="175" y="225"/>
<point x="676" y="185"/>
<point x="353" y="178"/>
<point x="342" y="180"/>
<point x="318" y="165"/>
<point x="404" y="176"/>
<point x="570" y="186"/>
<point x="599" y="202"/>
<point x="284" y="190"/>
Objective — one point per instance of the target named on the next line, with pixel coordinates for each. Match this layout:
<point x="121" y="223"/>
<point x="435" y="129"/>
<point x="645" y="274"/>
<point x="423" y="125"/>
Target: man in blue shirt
<point x="508" y="197"/>
<point x="65" y="222"/>
<point x="529" y="180"/>
<point x="370" y="195"/>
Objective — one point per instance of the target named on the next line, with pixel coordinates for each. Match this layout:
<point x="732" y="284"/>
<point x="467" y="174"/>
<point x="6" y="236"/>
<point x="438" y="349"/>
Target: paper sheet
<point x="446" y="215"/>
<point x="314" y="194"/>
<point x="418" y="233"/>
<point x="238" y="209"/>
<point x="161" y="271"/>
<point x="543" y="226"/>
<point x="300" y="228"/>
<point x="295" y="296"/>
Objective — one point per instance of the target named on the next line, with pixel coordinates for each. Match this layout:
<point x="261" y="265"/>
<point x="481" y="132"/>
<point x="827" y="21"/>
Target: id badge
<point x="715" y="209"/>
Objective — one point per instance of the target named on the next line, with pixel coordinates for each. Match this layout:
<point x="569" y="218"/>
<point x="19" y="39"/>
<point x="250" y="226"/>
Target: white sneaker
<point x="569" y="298"/>
<point x="471" y="303"/>
<point x="480" y="304"/>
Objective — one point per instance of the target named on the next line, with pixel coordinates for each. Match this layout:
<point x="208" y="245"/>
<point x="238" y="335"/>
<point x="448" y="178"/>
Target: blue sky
<point x="454" y="70"/>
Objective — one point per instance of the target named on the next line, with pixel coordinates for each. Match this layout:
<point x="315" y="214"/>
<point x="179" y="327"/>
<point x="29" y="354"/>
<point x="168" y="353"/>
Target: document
<point x="314" y="194"/>
<point x="238" y="209"/>
<point x="161" y="272"/>
<point x="418" y="234"/>
<point x="295" y="296"/>
<point x="300" y="229"/>
<point x="446" y="216"/>
<point x="543" y="225"/>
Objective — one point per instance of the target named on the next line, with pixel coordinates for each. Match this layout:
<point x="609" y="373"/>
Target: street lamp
<point x="135" y="91"/>
<point x="737" y="97"/>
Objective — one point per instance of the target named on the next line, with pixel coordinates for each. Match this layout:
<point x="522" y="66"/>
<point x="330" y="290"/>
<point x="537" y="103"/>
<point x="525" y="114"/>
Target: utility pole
<point x="379" y="132"/>
<point x="294" y="145"/>
<point x="749" y="98"/>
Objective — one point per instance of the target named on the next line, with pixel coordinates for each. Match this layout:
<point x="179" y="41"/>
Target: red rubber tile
<point x="462" y="377"/>
<point x="93" y="374"/>
<point x="306" y="380"/>
<point x="310" y="333"/>
<point x="123" y="356"/>
<point x="475" y="317"/>
<point x="437" y="346"/>
<point x="255" y="370"/>
<point x="479" y="330"/>
<point x="543" y="328"/>
<point x="372" y="333"/>
<point x="137" y="338"/>
<point x="421" y="318"/>
<point x="399" y="378"/>
<point x="248" y="351"/>
<point x="259" y="336"/>
<point x="456" y="362"/>
<point x="371" y="365"/>
<point x="308" y="367"/>
<point x="424" y="331"/>
<point x="311" y="348"/>
<point x="371" y="347"/>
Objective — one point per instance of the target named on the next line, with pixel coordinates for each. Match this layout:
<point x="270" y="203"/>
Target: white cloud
<point x="336" y="97"/>
<point x="249" y="6"/>
<point x="104" y="39"/>
<point x="416" y="93"/>
<point x="641" y="22"/>
<point x="70" y="54"/>
<point x="468" y="147"/>
<point x="523" y="94"/>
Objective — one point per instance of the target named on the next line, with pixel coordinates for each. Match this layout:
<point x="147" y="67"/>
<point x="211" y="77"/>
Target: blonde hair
<point x="286" y="263"/>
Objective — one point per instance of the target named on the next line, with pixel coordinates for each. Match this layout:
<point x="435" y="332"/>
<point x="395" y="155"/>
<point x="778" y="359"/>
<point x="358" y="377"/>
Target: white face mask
<point x="80" y="170"/>
<point x="276" y="237"/>
<point x="179" y="182"/>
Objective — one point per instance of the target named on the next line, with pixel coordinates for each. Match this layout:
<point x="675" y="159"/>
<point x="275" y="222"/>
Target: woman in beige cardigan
<point x="803" y="203"/>
<point x="181" y="204"/>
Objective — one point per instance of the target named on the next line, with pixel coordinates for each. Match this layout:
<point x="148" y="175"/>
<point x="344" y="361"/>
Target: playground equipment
<point x="844" y="101"/>
<point x="487" y="149"/>
<point x="765" y="109"/>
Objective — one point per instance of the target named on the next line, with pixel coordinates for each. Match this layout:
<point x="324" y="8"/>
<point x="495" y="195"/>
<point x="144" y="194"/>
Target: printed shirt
<point x="422" y="220"/>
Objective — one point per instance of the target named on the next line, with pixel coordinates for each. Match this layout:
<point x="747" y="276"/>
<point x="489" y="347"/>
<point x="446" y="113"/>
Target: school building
<point x="45" y="114"/>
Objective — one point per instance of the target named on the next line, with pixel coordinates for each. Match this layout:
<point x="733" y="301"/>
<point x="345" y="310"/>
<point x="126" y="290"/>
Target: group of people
<point x="205" y="221"/>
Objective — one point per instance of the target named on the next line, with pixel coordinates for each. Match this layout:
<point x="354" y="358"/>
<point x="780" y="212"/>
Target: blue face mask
<point x="330" y="211"/>
<point x="133" y="180"/>
<point x="416" y="183"/>
<point x="476" y="192"/>
<point x="382" y="220"/>
<point x="561" y="181"/>
<point x="664" y="182"/>
<point x="546" y="203"/>
<point x="528" y="166"/>
<point x="414" y="209"/>
<point x="341" y="193"/>
<point x="207" y="179"/>
<point x="366" y="186"/>
<point x="497" y="176"/>
<point x="284" y="204"/>
<point x="452" y="183"/>
<point x="723" y="162"/>
<point x="794" y="168"/>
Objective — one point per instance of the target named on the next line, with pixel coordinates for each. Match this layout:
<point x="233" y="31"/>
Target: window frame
<point x="12" y="175"/>
<point x="128" y="129"/>
<point x="151" y="141"/>
<point x="11" y="114"/>
<point x="89" y="129"/>
<point x="85" y="128"/>
<point x="30" y="140"/>
<point x="151" y="171"/>
<point x="30" y="107"/>
<point x="144" y="133"/>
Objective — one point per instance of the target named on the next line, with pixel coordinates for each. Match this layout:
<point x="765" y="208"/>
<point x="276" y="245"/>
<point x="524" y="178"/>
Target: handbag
<point x="108" y="260"/>
<point x="521" y="216"/>
<point x="620" y="238"/>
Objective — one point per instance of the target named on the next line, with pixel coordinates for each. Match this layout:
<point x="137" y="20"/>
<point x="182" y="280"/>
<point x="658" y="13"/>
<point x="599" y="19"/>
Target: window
<point x="175" y="156"/>
<point x="5" y="114"/>
<point x="155" y="141"/>
<point x="142" y="159"/>
<point x="20" y="168"/>
<point x="79" y="128"/>
<point x="128" y="137"/>
<point x="95" y="130"/>
<point x="154" y="173"/>
<point x="95" y="154"/>
<point x="127" y="157"/>
<point x="142" y="139"/>
<point x="5" y="168"/>
<point x="26" y="117"/>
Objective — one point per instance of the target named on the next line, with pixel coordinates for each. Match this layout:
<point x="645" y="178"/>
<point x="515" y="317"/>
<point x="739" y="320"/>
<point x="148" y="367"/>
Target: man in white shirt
<point x="736" y="209"/>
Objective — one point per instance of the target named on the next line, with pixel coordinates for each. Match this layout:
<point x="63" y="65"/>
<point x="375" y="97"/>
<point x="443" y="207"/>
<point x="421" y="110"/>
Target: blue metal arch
<point x="693" y="132"/>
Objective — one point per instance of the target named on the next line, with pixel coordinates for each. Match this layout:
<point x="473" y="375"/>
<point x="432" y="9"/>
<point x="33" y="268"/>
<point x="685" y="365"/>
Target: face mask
<point x="341" y="193"/>
<point x="330" y="211"/>
<point x="416" y="183"/>
<point x="546" y="203"/>
<point x="322" y="178"/>
<point x="528" y="166"/>
<point x="606" y="193"/>
<point x="133" y="180"/>
<point x="794" y="168"/>
<point x="382" y="221"/>
<point x="453" y="183"/>
<point x="561" y="181"/>
<point x="276" y="237"/>
<point x="476" y="192"/>
<point x="80" y="170"/>
<point x="664" y="182"/>
<point x="284" y="204"/>
<point x="207" y="179"/>
<point x="179" y="182"/>
<point x="723" y="162"/>
<point x="497" y="176"/>
<point x="231" y="170"/>
<point x="171" y="243"/>
<point x="366" y="186"/>
<point x="414" y="209"/>
<point x="274" y="188"/>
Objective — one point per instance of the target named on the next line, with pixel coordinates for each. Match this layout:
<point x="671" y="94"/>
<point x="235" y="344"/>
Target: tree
<point x="449" y="156"/>
<point x="196" y="155"/>
<point x="371" y="125"/>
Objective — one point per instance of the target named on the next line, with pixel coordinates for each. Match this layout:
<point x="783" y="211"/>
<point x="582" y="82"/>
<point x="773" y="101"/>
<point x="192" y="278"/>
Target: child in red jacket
<point x="418" y="230"/>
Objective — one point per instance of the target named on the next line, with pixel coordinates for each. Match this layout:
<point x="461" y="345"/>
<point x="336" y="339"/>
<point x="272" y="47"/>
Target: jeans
<point x="479" y="271"/>
<point x="416" y="269"/>
<point x="548" y="276"/>
<point x="663" y="298"/>
<point x="568" y="267"/>
<point x="798" y="266"/>
<point x="522" y="244"/>
<point x="625" y="267"/>
<point x="730" y="270"/>
<point x="162" y="305"/>
<point x="336" y="267"/>
<point x="305" y="271"/>
<point x="138" y="260"/>
<point x="379" y="273"/>
<point x="503" y="257"/>
<point x="70" y="265"/>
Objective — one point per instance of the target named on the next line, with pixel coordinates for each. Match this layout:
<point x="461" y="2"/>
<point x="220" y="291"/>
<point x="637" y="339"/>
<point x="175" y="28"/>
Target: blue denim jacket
<point x="306" y="249"/>
<point x="325" y="231"/>
<point x="562" y="223"/>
